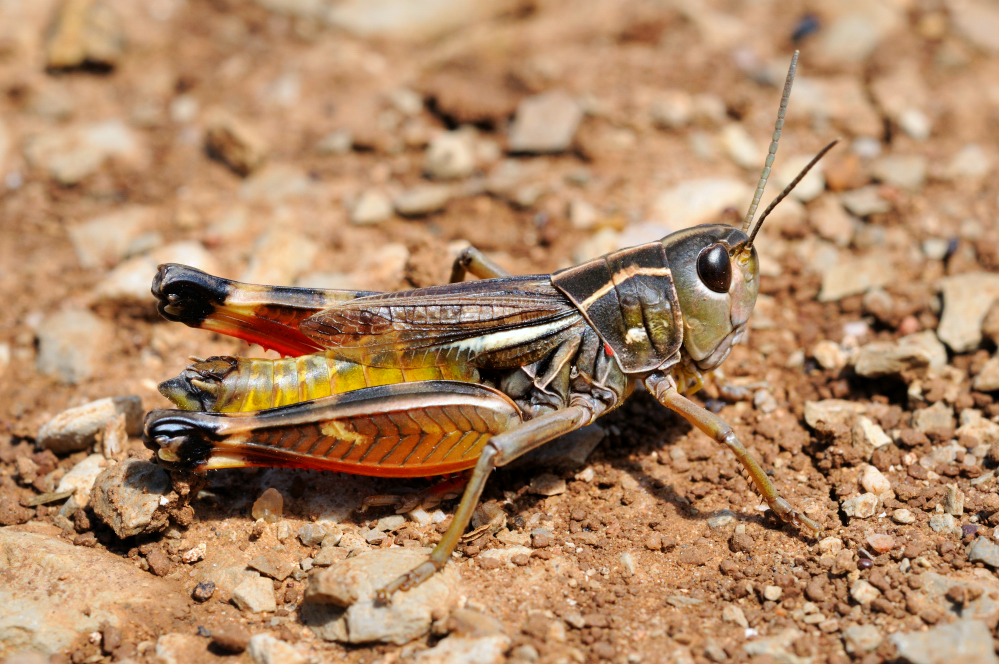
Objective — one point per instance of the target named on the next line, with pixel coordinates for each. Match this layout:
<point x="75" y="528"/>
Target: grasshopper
<point x="466" y="376"/>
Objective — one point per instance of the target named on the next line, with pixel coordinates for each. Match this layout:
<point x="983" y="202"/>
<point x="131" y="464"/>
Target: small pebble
<point x="230" y="639"/>
<point x="203" y="591"/>
<point x="881" y="543"/>
<point x="903" y="516"/>
<point x="269" y="506"/>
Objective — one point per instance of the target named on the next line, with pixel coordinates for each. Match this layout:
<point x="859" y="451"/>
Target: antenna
<point x="748" y="222"/>
<point x="787" y="190"/>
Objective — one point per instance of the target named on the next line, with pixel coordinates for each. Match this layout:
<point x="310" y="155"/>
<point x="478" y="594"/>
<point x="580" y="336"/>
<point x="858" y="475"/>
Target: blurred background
<point x="362" y="143"/>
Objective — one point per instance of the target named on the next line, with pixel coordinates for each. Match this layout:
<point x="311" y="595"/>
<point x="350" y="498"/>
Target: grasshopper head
<point x="716" y="274"/>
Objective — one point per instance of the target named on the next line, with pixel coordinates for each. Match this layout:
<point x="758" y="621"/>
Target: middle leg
<point x="476" y="263"/>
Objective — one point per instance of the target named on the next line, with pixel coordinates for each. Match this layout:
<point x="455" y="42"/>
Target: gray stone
<point x="255" y="594"/>
<point x="868" y="436"/>
<point x="70" y="345"/>
<point x="694" y="202"/>
<point x="86" y="32"/>
<point x="547" y="484"/>
<point x="279" y="255"/>
<point x="953" y="502"/>
<point x="778" y="647"/>
<point x="77" y="428"/>
<point x="234" y="143"/>
<point x="128" y="496"/>
<point x="337" y="142"/>
<point x="941" y="522"/>
<point x="966" y="299"/>
<point x="987" y="379"/>
<point x="465" y="650"/>
<point x="860" y="639"/>
<point x="902" y="171"/>
<point x="54" y="593"/>
<point x="272" y="565"/>
<point x="965" y="641"/>
<point x="938" y="417"/>
<point x="340" y="604"/>
<point x="912" y="352"/>
<point x="422" y="199"/>
<point x="265" y="649"/>
<point x="864" y="201"/>
<point x="81" y="477"/>
<point x="371" y="207"/>
<point x="312" y="534"/>
<point x="567" y="452"/>
<point x="829" y="415"/>
<point x="105" y="240"/>
<point x="450" y="155"/>
<point x="545" y="123"/>
<point x="854" y="276"/>
<point x="70" y="155"/>
<point x="970" y="163"/>
<point x="982" y="550"/>
<point x="984" y="606"/>
<point x="863" y="506"/>
<point x="129" y="282"/>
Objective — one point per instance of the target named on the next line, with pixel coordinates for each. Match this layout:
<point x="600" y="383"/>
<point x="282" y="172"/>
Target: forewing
<point x="488" y="323"/>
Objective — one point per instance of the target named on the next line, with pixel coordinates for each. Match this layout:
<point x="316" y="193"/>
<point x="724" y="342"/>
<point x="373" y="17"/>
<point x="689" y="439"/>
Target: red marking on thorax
<point x="608" y="349"/>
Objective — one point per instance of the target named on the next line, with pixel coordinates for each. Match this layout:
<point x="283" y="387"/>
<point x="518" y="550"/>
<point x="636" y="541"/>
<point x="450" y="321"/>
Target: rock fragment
<point x="853" y="276"/>
<point x="982" y="550"/>
<point x="423" y="199"/>
<point x="874" y="481"/>
<point x="72" y="154"/>
<point x="545" y="123"/>
<point x="269" y="506"/>
<point x="966" y="299"/>
<point x="371" y="207"/>
<point x="230" y="639"/>
<point x="987" y="379"/>
<point x="234" y="143"/>
<point x="70" y="344"/>
<point x="340" y="605"/>
<point x="81" y="477"/>
<point x="831" y="415"/>
<point x="106" y="239"/>
<point x="913" y="352"/>
<point x="255" y="594"/>
<point x="863" y="506"/>
<point x="265" y="649"/>
<point x="279" y="255"/>
<point x="450" y="155"/>
<point x="86" y="32"/>
<point x="547" y="484"/>
<point x="700" y="201"/>
<point x="77" y="428"/>
<point x="965" y="641"/>
<point x="867" y="437"/>
<point x="466" y="650"/>
<point x="860" y="639"/>
<point x="128" y="497"/>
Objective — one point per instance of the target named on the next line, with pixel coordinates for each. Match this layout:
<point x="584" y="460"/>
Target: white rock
<point x="966" y="299"/>
<point x="903" y="516"/>
<point x="830" y="545"/>
<point x="466" y="650"/>
<point x="859" y="639"/>
<point x="80" y="479"/>
<point x="903" y="171"/>
<point x="874" y="481"/>
<point x="912" y="352"/>
<point x="602" y="242"/>
<point x="265" y="649"/>
<point x="831" y="220"/>
<point x="853" y="276"/>
<point x="810" y="186"/>
<point x="423" y="199"/>
<point x="399" y="18"/>
<point x="77" y="428"/>
<point x="867" y="437"/>
<point x="545" y="123"/>
<point x="829" y="414"/>
<point x="70" y="344"/>
<point x="255" y="594"/>
<point x="505" y="555"/>
<point x="863" y="592"/>
<point x="70" y="155"/>
<point x="451" y="155"/>
<point x="129" y="282"/>
<point x="987" y="379"/>
<point x="103" y="241"/>
<point x="970" y="163"/>
<point x="863" y="506"/>
<point x="740" y="146"/>
<point x="371" y="207"/>
<point x="915" y="123"/>
<point x="694" y="202"/>
<point x="279" y="255"/>
<point x="734" y="614"/>
<point x="829" y="355"/>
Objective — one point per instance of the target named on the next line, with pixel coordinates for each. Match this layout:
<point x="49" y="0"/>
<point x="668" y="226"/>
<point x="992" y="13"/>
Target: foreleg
<point x="666" y="393"/>
<point x="474" y="262"/>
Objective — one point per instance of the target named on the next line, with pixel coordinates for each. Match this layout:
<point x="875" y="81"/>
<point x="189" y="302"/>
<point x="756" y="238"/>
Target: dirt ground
<point x="644" y="564"/>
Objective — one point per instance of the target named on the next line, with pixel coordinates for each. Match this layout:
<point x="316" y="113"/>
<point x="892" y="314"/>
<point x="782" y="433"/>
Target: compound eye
<point x="714" y="268"/>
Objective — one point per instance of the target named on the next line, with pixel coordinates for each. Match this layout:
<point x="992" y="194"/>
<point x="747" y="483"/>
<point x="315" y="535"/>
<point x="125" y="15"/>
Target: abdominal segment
<point x="238" y="385"/>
